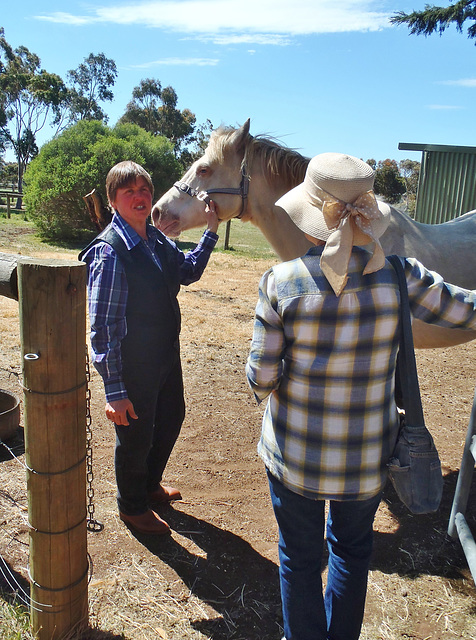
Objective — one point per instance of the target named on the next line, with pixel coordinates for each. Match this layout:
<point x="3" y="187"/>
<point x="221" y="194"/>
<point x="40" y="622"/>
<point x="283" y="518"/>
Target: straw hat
<point x="336" y="204"/>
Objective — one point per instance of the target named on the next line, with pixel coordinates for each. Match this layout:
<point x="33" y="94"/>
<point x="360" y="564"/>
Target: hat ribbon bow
<point x="343" y="218"/>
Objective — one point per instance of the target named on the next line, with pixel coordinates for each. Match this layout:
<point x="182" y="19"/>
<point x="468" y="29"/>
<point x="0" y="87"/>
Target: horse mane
<point x="276" y="159"/>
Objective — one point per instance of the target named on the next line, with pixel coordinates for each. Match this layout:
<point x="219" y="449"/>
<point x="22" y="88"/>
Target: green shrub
<point x="77" y="161"/>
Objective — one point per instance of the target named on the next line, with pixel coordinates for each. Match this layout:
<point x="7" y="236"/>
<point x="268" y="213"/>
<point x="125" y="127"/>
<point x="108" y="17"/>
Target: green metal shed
<point x="447" y="185"/>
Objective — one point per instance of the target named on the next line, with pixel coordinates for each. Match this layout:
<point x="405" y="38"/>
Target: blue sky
<point x="319" y="75"/>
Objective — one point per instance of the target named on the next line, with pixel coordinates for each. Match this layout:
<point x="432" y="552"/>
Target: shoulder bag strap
<point x="406" y="363"/>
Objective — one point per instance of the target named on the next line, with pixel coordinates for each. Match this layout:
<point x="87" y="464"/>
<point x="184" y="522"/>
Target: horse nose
<point x="156" y="214"/>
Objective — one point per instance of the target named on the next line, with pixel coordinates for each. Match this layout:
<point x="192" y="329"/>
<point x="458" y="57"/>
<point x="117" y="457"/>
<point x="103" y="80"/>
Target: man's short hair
<point x="123" y="174"/>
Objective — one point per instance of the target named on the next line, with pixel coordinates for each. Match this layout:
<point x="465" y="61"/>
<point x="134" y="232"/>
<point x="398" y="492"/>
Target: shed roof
<point x="444" y="148"/>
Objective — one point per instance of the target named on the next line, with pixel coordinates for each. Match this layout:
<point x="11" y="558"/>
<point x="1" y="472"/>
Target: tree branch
<point x="437" y="19"/>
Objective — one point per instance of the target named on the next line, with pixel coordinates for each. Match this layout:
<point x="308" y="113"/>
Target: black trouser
<point x="144" y="447"/>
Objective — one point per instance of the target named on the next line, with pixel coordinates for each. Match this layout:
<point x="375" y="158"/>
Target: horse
<point x="260" y="170"/>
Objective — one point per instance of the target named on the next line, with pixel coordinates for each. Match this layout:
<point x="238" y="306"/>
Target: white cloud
<point x="244" y="21"/>
<point x="276" y="39"/>
<point x="61" y="17"/>
<point x="198" y="62"/>
<point x="464" y="82"/>
<point x="443" y="107"/>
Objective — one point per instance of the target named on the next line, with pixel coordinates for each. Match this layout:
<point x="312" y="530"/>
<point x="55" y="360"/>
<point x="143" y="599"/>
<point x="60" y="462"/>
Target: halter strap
<point x="204" y="196"/>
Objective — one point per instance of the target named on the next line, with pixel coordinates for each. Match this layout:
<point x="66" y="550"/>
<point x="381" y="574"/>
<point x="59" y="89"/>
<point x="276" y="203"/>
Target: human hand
<point x="212" y="217"/>
<point x="117" y="411"/>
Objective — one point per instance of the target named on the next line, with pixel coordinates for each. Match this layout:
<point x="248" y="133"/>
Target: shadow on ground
<point x="420" y="545"/>
<point x="13" y="447"/>
<point x="241" y="585"/>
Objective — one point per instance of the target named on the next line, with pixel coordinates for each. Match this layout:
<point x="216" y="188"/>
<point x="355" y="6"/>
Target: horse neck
<point x="287" y="240"/>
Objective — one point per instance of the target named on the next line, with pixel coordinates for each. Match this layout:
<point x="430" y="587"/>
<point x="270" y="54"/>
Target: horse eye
<point x="202" y="171"/>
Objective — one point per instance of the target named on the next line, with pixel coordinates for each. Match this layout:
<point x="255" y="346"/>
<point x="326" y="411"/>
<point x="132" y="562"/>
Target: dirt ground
<point x="217" y="575"/>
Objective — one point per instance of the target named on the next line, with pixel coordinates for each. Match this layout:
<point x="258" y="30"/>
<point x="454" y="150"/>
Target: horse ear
<point x="241" y="135"/>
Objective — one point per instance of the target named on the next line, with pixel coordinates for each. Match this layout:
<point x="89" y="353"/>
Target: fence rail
<point x="458" y="526"/>
<point x="8" y="194"/>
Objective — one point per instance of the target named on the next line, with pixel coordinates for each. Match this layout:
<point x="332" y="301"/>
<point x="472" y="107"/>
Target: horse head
<point x="219" y="174"/>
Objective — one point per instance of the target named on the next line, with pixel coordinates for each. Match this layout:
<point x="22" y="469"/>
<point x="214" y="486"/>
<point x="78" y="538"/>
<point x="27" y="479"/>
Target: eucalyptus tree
<point x="30" y="97"/>
<point x="410" y="172"/>
<point x="143" y="109"/>
<point x="154" y="108"/>
<point x="178" y="126"/>
<point x="92" y="83"/>
<point x="388" y="182"/>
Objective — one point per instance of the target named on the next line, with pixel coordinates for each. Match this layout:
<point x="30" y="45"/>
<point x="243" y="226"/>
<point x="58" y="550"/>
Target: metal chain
<point x="92" y="524"/>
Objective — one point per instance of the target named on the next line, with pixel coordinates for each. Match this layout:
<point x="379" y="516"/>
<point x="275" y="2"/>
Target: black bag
<point x="414" y="468"/>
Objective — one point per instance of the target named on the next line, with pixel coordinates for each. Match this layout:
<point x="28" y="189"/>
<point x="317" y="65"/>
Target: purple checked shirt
<point x="107" y="292"/>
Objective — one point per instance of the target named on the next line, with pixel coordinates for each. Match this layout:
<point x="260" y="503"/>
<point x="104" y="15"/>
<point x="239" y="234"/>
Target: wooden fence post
<point x="52" y="305"/>
<point x="227" y="235"/>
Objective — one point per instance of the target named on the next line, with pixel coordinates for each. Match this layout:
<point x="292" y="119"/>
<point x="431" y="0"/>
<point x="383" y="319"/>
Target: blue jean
<point x="307" y="614"/>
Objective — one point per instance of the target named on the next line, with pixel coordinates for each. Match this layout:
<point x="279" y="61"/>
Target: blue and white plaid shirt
<point x="107" y="289"/>
<point x="327" y="364"/>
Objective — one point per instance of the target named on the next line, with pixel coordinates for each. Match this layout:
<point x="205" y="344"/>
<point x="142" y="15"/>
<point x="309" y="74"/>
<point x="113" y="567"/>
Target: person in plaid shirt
<point x="134" y="276"/>
<point x="323" y="352"/>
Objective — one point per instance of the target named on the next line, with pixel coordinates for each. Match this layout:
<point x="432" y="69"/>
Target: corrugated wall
<point x="447" y="186"/>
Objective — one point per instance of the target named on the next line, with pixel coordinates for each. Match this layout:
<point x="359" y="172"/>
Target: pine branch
<point x="437" y="19"/>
